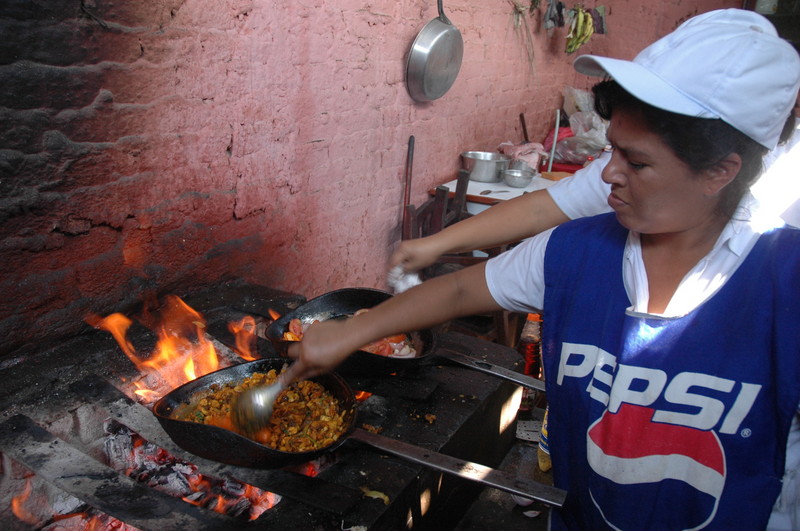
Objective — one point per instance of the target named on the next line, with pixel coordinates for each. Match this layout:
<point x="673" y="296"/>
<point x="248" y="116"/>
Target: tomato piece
<point x="296" y="327"/>
<point x="220" y="422"/>
<point x="380" y="347"/>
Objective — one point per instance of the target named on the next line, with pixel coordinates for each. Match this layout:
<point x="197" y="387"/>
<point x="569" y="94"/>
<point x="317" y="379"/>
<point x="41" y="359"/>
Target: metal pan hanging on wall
<point x="434" y="59"/>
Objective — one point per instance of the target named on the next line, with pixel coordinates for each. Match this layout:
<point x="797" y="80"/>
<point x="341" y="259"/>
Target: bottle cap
<point x="534" y="317"/>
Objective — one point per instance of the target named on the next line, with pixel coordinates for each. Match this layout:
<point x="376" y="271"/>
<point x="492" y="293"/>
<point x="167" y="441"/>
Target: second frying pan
<point x="345" y="302"/>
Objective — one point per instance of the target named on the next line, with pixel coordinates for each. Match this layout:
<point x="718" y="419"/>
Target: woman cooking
<point x="672" y="350"/>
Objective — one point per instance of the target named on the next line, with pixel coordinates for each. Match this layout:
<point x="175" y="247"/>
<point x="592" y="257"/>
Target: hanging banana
<point x="581" y="29"/>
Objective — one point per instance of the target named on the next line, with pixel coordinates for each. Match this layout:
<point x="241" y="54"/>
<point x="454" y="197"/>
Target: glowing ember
<point x="275" y="315"/>
<point x="18" y="505"/>
<point x="310" y="469"/>
<point x="360" y="396"/>
<point x="143" y="461"/>
<point x="86" y="521"/>
<point x="50" y="519"/>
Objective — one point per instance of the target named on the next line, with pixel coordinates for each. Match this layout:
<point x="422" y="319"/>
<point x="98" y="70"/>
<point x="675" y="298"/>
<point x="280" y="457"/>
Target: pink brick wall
<point x="154" y="146"/>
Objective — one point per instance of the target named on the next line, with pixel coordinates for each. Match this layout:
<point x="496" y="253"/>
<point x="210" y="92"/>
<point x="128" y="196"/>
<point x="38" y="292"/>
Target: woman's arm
<point x="582" y="194"/>
<point x="326" y="344"/>
<point x="507" y="221"/>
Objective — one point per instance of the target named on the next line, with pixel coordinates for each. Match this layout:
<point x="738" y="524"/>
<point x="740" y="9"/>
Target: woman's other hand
<point x="413" y="255"/>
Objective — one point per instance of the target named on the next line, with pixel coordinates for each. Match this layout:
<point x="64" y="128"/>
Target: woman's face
<point x="652" y="190"/>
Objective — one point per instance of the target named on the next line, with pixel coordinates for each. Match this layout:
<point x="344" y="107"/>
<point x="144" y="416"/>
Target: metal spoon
<point x="487" y="192"/>
<point x="252" y="408"/>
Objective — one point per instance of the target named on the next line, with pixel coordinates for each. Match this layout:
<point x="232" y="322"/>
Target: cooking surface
<point x="55" y="399"/>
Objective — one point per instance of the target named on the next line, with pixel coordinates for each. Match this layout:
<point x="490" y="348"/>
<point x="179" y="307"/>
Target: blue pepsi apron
<point x="668" y="423"/>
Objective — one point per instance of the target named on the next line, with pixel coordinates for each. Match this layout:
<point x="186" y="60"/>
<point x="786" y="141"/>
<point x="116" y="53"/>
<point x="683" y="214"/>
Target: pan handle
<point x="465" y="469"/>
<point x="490" y="368"/>
<point x="442" y="16"/>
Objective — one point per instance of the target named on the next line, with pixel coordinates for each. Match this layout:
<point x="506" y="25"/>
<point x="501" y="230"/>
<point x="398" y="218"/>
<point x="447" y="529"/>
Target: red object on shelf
<point x="561" y="166"/>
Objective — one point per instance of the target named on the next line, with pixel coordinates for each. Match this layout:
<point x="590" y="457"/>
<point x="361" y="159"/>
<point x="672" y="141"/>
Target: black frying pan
<point x="345" y="302"/>
<point x="225" y="446"/>
<point x="341" y="304"/>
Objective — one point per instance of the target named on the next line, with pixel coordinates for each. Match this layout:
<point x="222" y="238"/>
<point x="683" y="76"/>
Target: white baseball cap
<point x="728" y="64"/>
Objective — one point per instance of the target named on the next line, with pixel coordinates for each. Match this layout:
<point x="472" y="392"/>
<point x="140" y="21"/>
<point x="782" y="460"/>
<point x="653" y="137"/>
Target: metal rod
<point x="524" y="127"/>
<point x="409" y="166"/>
<point x="555" y="140"/>
<point x="465" y="469"/>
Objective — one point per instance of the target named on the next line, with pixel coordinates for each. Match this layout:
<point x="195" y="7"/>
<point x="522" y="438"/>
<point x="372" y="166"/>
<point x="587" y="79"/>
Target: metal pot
<point x="434" y="59"/>
<point x="484" y="166"/>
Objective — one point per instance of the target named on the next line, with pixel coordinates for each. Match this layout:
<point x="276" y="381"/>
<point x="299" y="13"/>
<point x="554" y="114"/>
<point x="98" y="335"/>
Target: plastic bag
<point x="577" y="100"/>
<point x="589" y="130"/>
<point x="563" y="132"/>
<point x="574" y="150"/>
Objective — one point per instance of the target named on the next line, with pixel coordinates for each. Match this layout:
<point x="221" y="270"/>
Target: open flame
<point x="245" y="332"/>
<point x="182" y="352"/>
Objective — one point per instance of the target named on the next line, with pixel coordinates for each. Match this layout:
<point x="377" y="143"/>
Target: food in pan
<point x="306" y="417"/>
<point x="398" y="346"/>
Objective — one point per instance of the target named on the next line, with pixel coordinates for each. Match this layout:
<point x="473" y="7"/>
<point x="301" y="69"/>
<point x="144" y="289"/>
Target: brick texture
<point x="152" y="147"/>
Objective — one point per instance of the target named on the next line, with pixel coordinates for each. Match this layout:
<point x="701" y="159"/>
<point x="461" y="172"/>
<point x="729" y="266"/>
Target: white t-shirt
<point x="584" y="193"/>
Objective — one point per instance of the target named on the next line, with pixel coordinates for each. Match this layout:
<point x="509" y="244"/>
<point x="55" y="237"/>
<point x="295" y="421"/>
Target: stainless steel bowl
<point x="484" y="166"/>
<point x="520" y="165"/>
<point x="517" y="178"/>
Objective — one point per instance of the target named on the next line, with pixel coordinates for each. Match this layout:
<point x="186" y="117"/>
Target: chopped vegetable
<point x="306" y="416"/>
<point x="375" y="494"/>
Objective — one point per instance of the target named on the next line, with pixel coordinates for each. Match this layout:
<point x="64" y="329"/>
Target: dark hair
<point x="699" y="142"/>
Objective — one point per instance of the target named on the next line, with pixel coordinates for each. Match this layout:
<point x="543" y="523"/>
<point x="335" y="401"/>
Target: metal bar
<point x="465" y="469"/>
<point x="490" y="368"/>
<point x="315" y="491"/>
<point x="103" y="488"/>
<point x="409" y="172"/>
<point x="555" y="141"/>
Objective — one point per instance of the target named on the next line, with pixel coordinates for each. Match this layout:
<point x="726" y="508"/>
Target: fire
<point x="18" y="502"/>
<point x="147" y="395"/>
<point x="275" y="315"/>
<point x="245" y="332"/>
<point x="182" y="353"/>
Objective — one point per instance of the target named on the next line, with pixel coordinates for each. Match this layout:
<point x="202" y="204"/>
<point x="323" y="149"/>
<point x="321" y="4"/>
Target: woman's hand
<point x="413" y="255"/>
<point x="324" y="346"/>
